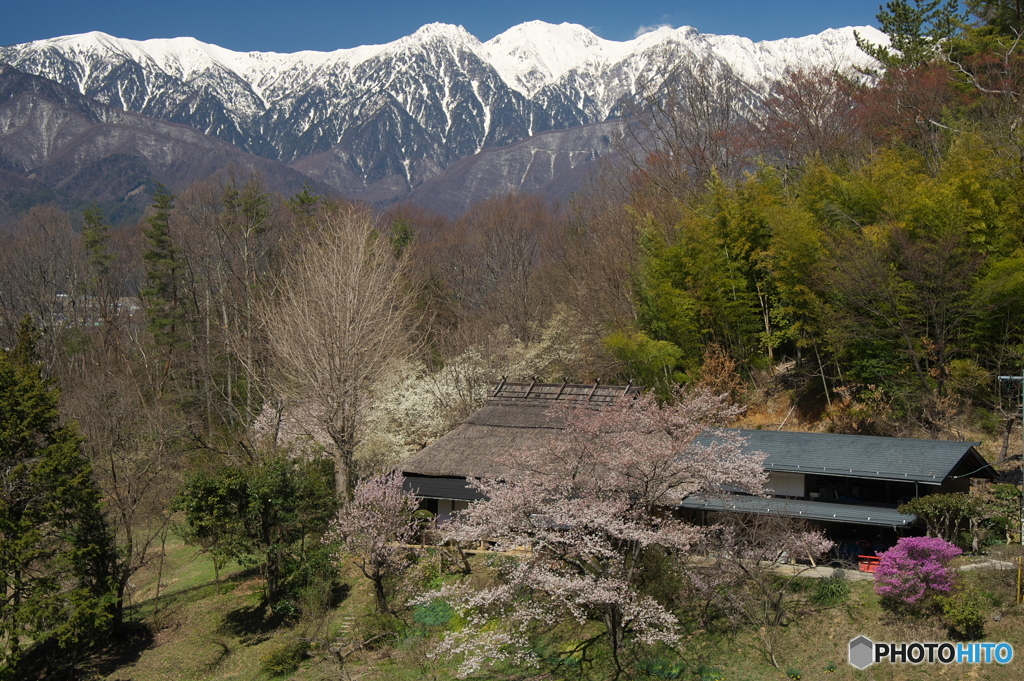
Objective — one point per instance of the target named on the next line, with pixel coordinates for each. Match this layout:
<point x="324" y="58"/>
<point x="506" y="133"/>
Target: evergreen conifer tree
<point x="95" y="236"/>
<point x="163" y="306"/>
<point x="1003" y="16"/>
<point x="304" y="205"/>
<point x="56" y="553"/>
<point x="915" y="29"/>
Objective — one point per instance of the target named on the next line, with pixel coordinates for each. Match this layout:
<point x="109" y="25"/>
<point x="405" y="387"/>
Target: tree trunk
<point x="342" y="435"/>
<point x="613" y="621"/>
<point x="342" y="475"/>
<point x="380" y="594"/>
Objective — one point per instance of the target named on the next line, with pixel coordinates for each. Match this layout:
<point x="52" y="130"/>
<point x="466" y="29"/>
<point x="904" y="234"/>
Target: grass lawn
<point x="202" y="629"/>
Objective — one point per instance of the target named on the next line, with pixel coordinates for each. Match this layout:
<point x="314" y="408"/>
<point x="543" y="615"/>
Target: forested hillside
<point x="228" y="371"/>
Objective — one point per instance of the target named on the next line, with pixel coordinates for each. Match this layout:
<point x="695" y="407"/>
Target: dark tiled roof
<point x="796" y="508"/>
<point x="516" y="417"/>
<point x="866" y="456"/>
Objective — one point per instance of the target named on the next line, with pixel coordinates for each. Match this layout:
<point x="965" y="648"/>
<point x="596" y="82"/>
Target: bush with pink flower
<point x="915" y="569"/>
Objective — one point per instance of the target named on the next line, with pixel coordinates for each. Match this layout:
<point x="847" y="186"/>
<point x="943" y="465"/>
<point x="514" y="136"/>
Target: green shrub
<point x="311" y="583"/>
<point x="964" y="614"/>
<point x="284" y="659"/>
<point x="706" y="673"/>
<point x="831" y="591"/>
<point x="437" y="614"/>
<point x="379" y="630"/>
<point x="661" y="668"/>
<point x="659" y="577"/>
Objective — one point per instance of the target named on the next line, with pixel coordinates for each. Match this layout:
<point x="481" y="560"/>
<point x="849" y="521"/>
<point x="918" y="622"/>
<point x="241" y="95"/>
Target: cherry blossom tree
<point x="740" y="579"/>
<point x="374" y="528"/>
<point x="582" y="513"/>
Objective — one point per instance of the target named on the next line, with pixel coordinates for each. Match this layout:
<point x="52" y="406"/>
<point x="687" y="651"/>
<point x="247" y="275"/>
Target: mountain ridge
<point x="376" y="121"/>
<point x="504" y="50"/>
<point x="59" y="146"/>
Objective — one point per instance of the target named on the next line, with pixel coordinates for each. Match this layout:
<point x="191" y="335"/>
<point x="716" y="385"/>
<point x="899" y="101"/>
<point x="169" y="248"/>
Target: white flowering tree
<point x="587" y="508"/>
<point x="412" y="405"/>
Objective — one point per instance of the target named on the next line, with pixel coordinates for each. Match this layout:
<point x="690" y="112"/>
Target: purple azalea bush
<point x="913" y="569"/>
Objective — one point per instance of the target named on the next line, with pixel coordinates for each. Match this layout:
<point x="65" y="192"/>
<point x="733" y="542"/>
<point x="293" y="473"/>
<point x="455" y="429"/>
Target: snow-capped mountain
<point x="58" y="146"/>
<point x="376" y="121"/>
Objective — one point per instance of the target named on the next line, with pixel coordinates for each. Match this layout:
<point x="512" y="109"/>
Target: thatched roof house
<point x="848" y="480"/>
<point x="514" y="417"/>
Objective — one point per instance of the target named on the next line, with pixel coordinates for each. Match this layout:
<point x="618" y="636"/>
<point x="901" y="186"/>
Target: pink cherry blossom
<point x="581" y="512"/>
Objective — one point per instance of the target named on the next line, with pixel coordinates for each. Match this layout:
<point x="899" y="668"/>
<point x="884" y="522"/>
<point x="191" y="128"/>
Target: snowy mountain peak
<point x="541" y="32"/>
<point x="532" y="55"/>
<point x="438" y="31"/>
<point x="372" y="118"/>
<point x="528" y="57"/>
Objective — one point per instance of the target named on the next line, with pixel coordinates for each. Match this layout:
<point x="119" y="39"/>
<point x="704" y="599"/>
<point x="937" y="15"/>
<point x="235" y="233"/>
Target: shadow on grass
<point x="251" y="625"/>
<point x="338" y="595"/>
<point x="173" y="600"/>
<point x="54" y="663"/>
<point x="254" y="624"/>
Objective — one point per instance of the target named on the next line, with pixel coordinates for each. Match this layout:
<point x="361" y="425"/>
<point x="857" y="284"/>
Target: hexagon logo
<point x="862" y="652"/>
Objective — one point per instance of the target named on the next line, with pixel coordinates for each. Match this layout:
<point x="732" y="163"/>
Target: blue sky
<point x="292" y="25"/>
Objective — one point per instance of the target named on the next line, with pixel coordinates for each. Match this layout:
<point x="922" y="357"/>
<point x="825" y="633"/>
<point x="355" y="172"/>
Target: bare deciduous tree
<point x="133" y="448"/>
<point x="742" y="573"/>
<point x="341" y="315"/>
<point x="495" y="264"/>
<point x="807" y="114"/>
<point x="41" y="270"/>
<point x="229" y="232"/>
<point x="688" y="122"/>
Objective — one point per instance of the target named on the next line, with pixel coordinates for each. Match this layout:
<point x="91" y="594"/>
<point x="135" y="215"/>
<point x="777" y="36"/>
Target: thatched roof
<point x="514" y="417"/>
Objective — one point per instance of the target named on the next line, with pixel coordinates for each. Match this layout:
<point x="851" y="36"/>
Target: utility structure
<point x="1020" y="379"/>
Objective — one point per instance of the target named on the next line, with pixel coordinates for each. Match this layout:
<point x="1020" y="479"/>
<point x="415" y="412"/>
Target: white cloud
<point x="650" y="29"/>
